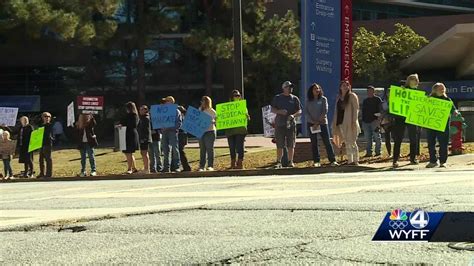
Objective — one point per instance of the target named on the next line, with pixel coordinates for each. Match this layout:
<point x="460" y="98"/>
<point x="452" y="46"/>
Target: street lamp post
<point x="238" y="58"/>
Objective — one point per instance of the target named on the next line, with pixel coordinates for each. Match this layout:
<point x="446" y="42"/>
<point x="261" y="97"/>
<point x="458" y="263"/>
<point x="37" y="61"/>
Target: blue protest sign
<point x="196" y="122"/>
<point x="163" y="115"/>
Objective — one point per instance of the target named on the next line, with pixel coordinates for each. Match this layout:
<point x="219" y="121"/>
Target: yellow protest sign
<point x="429" y="113"/>
<point x="36" y="139"/>
<point x="400" y="99"/>
<point x="231" y="114"/>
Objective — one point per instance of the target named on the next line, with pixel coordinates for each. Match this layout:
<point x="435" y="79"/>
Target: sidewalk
<point x="250" y="141"/>
<point x="463" y="162"/>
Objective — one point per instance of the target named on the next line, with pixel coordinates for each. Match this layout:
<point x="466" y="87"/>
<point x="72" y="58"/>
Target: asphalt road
<point x="325" y="218"/>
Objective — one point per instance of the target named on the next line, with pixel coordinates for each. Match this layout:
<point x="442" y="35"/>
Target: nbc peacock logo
<point x="398" y="219"/>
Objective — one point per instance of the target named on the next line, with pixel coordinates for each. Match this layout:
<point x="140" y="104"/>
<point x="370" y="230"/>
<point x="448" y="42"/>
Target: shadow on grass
<point x="96" y="155"/>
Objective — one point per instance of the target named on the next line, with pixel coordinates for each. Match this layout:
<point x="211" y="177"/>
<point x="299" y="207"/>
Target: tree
<point x="400" y="46"/>
<point x="369" y="58"/>
<point x="84" y="22"/>
<point x="212" y="39"/>
<point x="150" y="20"/>
<point x="377" y="58"/>
<point x="274" y="48"/>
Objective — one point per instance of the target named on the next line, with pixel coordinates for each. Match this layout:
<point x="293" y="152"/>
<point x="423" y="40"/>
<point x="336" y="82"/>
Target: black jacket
<point x="90" y="135"/>
<point x="48" y="134"/>
<point x="144" y="129"/>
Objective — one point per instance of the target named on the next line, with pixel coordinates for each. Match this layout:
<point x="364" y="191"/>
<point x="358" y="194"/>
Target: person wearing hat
<point x="45" y="160"/>
<point x="287" y="107"/>
<point x="170" y="142"/>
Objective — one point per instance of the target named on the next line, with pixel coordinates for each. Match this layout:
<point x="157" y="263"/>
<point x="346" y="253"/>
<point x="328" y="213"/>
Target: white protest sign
<point x="122" y="138"/>
<point x="8" y="116"/>
<point x="268" y="121"/>
<point x="70" y="115"/>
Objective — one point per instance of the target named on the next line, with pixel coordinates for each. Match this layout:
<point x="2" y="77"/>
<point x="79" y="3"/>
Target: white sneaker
<point x="130" y="172"/>
<point x="201" y="170"/>
<point x="334" y="164"/>
<point x="94" y="173"/>
<point x="317" y="165"/>
<point x="278" y="166"/>
<point x="210" y="169"/>
<point x="82" y="174"/>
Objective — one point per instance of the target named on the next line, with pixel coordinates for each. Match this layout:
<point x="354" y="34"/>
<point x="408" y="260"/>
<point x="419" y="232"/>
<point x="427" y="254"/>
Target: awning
<point x="453" y="49"/>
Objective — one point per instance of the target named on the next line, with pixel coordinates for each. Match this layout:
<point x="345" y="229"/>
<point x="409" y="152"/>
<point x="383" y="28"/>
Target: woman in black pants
<point x="182" y="142"/>
<point x="399" y="126"/>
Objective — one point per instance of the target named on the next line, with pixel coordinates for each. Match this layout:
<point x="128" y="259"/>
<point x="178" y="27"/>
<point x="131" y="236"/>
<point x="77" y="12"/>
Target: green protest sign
<point x="400" y="99"/>
<point x="36" y="139"/>
<point x="231" y="114"/>
<point x="429" y="113"/>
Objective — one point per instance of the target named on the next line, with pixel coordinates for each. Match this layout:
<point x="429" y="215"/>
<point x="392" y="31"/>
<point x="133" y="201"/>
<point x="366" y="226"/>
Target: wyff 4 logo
<point x="399" y="225"/>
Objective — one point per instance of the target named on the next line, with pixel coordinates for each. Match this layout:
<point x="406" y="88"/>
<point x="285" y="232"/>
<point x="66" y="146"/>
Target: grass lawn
<point x="66" y="162"/>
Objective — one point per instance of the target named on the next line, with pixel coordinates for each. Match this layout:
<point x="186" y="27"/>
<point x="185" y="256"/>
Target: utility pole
<point x="238" y="58"/>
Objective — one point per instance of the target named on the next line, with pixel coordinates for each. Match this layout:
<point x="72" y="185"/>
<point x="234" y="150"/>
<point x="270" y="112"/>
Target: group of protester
<point x="376" y="119"/>
<point x="163" y="150"/>
<point x="8" y="148"/>
<point x="169" y="142"/>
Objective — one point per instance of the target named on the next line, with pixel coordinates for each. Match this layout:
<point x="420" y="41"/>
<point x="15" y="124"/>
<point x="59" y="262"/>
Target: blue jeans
<point x="7" y="168"/>
<point x="236" y="146"/>
<point x="443" y="139"/>
<point x="87" y="151"/>
<point x="206" y="147"/>
<point x="327" y="143"/>
<point x="371" y="132"/>
<point x="170" y="148"/>
<point x="154" y="150"/>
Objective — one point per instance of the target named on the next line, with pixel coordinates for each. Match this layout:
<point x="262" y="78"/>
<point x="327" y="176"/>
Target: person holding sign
<point x="287" y="107"/>
<point x="47" y="148"/>
<point x="399" y="129"/>
<point x="236" y="139"/>
<point x="170" y="141"/>
<point x="131" y="136"/>
<point x="7" y="149"/>
<point x="345" y="124"/>
<point x="316" y="109"/>
<point x="439" y="92"/>
<point x="87" y="142"/>
<point x="144" y="133"/>
<point x="23" y="139"/>
<point x="206" y="142"/>
<point x="182" y="142"/>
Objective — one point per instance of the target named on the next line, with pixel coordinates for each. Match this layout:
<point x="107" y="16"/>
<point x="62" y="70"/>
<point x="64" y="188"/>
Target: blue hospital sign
<point x="326" y="35"/>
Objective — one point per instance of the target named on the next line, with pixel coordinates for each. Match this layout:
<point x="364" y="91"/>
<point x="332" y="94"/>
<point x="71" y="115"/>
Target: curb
<point x="229" y="173"/>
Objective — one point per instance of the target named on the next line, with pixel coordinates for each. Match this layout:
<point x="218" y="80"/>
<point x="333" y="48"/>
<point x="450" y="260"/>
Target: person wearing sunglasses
<point x="236" y="139"/>
<point x="46" y="150"/>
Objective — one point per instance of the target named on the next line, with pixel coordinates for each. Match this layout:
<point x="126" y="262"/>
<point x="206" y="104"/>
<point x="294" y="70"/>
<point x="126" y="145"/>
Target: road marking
<point x="236" y="195"/>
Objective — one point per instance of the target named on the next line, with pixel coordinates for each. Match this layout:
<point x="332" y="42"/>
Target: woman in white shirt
<point x="206" y="143"/>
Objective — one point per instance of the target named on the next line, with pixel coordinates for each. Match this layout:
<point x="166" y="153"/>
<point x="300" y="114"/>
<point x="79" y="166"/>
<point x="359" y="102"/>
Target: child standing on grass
<point x="7" y="149"/>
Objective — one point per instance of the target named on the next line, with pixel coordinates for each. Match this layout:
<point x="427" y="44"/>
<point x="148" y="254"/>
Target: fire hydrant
<point x="456" y="128"/>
